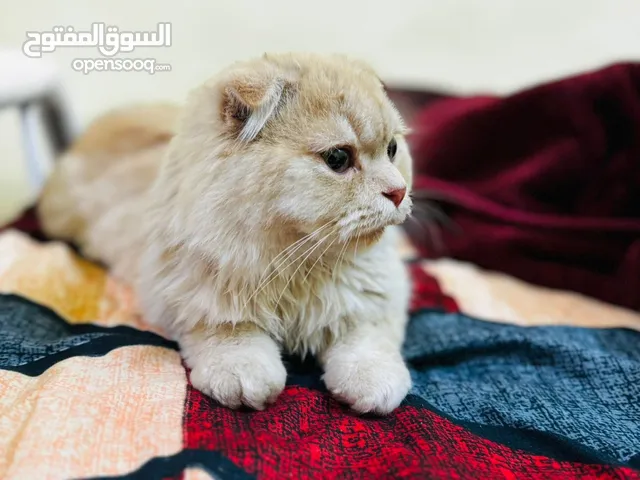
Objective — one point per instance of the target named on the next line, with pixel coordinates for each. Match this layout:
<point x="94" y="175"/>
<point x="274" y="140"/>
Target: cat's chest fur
<point x="304" y="307"/>
<point x="324" y="303"/>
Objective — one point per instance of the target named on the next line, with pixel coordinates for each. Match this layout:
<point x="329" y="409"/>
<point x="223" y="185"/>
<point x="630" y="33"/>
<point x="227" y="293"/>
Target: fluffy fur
<point x="241" y="241"/>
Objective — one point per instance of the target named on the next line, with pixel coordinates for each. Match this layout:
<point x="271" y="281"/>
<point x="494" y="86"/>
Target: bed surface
<point x="499" y="390"/>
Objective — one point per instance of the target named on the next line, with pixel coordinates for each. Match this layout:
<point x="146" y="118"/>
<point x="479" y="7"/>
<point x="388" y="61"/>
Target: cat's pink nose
<point x="396" y="195"/>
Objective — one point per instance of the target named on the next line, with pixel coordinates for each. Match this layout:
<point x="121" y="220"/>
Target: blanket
<point x="543" y="184"/>
<point x="508" y="383"/>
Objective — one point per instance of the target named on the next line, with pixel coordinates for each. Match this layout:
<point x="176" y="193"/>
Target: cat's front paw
<point x="370" y="383"/>
<point x="252" y="375"/>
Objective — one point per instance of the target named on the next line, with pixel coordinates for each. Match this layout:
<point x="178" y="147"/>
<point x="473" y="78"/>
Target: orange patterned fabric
<point x="84" y="416"/>
<point x="53" y="275"/>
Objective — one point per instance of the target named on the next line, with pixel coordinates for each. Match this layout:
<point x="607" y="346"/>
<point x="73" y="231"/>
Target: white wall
<point x="464" y="45"/>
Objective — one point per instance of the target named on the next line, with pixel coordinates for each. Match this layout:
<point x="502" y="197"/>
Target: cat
<point x="258" y="218"/>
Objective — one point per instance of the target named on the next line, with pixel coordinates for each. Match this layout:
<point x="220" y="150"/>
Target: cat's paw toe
<point x="252" y="378"/>
<point x="368" y="385"/>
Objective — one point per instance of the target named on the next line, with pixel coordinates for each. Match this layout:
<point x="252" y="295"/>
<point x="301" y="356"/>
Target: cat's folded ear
<point x="250" y="98"/>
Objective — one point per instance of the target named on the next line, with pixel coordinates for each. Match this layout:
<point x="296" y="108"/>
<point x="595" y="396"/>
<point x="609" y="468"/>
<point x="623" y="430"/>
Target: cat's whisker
<point x="310" y="250"/>
<point x="278" y="269"/>
<point x="341" y="256"/>
<point x="357" y="239"/>
<point x="288" y="253"/>
<point x="276" y="273"/>
<point x="318" y="259"/>
<point x="431" y="195"/>
<point x="307" y="238"/>
<point x="431" y="231"/>
<point x="417" y="223"/>
<point x="433" y="213"/>
<point x="436" y="238"/>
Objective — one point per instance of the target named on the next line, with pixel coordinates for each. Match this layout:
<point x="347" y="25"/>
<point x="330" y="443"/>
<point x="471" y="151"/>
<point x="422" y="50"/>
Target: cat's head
<point x="295" y="141"/>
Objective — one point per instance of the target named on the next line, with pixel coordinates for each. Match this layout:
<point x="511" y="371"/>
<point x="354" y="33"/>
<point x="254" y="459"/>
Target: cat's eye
<point x="338" y="159"/>
<point x="392" y="149"/>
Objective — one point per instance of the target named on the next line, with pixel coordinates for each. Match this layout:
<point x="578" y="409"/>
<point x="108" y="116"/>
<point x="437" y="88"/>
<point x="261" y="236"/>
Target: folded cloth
<point x="543" y="185"/>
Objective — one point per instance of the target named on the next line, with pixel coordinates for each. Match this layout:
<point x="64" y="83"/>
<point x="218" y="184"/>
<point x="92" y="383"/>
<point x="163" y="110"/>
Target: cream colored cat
<point x="265" y="228"/>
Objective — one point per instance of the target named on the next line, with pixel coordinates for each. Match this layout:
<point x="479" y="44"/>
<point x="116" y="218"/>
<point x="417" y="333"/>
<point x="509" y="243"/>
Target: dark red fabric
<point x="26" y="222"/>
<point x="306" y="435"/>
<point x="544" y="184"/>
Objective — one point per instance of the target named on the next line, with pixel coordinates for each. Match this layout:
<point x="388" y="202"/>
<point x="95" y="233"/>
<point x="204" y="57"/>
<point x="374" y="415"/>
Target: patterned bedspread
<point x="511" y="381"/>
